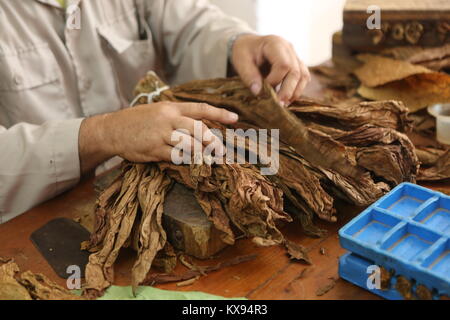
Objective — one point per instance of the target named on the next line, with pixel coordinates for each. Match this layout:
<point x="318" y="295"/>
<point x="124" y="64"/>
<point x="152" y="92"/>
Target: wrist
<point x="95" y="143"/>
<point x="232" y="43"/>
<point x="106" y="134"/>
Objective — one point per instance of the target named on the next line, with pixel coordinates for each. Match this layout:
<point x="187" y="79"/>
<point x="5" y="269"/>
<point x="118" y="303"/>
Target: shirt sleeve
<point x="36" y="164"/>
<point x="193" y="35"/>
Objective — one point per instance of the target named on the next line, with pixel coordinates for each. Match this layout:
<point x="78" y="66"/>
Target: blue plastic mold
<point x="407" y="230"/>
<point x="354" y="269"/>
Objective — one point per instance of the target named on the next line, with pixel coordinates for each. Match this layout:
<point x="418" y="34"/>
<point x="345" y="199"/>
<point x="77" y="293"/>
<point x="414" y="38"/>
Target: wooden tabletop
<point x="270" y="276"/>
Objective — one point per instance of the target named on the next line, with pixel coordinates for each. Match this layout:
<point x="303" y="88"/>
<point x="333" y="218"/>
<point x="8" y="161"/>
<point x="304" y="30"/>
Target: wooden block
<point x="416" y="22"/>
<point x="188" y="229"/>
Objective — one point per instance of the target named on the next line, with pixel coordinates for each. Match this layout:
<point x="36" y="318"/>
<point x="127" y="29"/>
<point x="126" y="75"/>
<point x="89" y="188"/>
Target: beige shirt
<point x="54" y="73"/>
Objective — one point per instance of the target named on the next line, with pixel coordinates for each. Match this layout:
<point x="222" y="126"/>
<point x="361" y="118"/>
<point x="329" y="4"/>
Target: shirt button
<point x="17" y="80"/>
<point x="87" y="84"/>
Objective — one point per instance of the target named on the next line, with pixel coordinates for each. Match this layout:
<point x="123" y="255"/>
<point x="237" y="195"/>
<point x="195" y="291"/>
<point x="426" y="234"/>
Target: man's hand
<point x="252" y="52"/>
<point x="144" y="133"/>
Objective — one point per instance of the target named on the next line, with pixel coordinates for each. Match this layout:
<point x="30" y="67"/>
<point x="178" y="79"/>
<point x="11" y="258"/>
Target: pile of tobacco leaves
<point x="417" y="76"/>
<point x="351" y="151"/>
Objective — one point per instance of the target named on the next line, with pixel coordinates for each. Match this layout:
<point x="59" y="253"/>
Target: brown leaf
<point x="434" y="58"/>
<point x="121" y="216"/>
<point x="266" y="112"/>
<point x="29" y="286"/>
<point x="440" y="170"/>
<point x="297" y="252"/>
<point x="41" y="288"/>
<point x="10" y="288"/>
<point x="378" y="70"/>
<point x="416" y="92"/>
<point x="152" y="237"/>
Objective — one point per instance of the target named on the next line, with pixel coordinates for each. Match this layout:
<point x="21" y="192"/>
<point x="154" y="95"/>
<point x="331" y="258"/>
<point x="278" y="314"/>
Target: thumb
<point x="249" y="73"/>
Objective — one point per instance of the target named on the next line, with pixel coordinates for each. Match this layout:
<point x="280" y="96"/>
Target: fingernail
<point x="233" y="116"/>
<point x="284" y="104"/>
<point x="255" y="88"/>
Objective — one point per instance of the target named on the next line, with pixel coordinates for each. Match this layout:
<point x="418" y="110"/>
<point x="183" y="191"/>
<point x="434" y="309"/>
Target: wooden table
<point x="270" y="276"/>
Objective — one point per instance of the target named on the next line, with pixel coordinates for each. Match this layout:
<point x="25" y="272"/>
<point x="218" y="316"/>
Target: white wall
<point x="309" y="25"/>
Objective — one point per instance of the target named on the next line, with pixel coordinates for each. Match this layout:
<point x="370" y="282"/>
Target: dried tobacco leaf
<point x="406" y="53"/>
<point x="390" y="147"/>
<point x="104" y="203"/>
<point x="152" y="237"/>
<point x="428" y="156"/>
<point x="10" y="288"/>
<point x="404" y="287"/>
<point x="41" y="288"/>
<point x="388" y="114"/>
<point x="437" y="65"/>
<point x="250" y="201"/>
<point x="29" y="286"/>
<point x="434" y="58"/>
<point x="386" y="277"/>
<point x="99" y="271"/>
<point x="439" y="171"/>
<point x="416" y="92"/>
<point x="231" y="94"/>
<point x="378" y="70"/>
<point x="297" y="252"/>
<point x="423" y="293"/>
<point x="304" y="189"/>
<point x="265" y="112"/>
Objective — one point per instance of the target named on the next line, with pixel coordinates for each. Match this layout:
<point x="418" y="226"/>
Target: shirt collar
<point x="56" y="4"/>
<point x="52" y="3"/>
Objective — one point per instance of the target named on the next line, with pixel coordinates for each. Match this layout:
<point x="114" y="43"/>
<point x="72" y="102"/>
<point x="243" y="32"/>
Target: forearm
<point x="36" y="164"/>
<point x="94" y="145"/>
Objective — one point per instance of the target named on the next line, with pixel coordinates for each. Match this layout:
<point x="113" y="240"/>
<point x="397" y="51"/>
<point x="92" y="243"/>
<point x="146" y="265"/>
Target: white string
<point x="150" y="96"/>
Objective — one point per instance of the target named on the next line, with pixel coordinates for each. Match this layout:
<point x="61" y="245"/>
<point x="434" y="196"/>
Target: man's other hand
<point x="252" y="54"/>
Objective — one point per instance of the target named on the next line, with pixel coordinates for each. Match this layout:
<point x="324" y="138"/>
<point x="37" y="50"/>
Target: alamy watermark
<point x="237" y="147"/>
<point x="73" y="14"/>
<point x="374" y="21"/>
<point x="374" y="278"/>
<point x="74" y="280"/>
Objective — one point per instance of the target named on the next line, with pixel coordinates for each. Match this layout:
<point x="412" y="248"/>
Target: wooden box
<point x="402" y="22"/>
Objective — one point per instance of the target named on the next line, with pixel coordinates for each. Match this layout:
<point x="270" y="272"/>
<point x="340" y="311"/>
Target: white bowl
<point x="442" y="114"/>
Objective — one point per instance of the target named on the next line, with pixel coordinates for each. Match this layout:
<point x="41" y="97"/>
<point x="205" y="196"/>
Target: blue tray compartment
<point x="436" y="215"/>
<point x="405" y="201"/>
<point x="407" y="230"/>
<point x="372" y="226"/>
<point x="408" y="242"/>
<point x="439" y="261"/>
